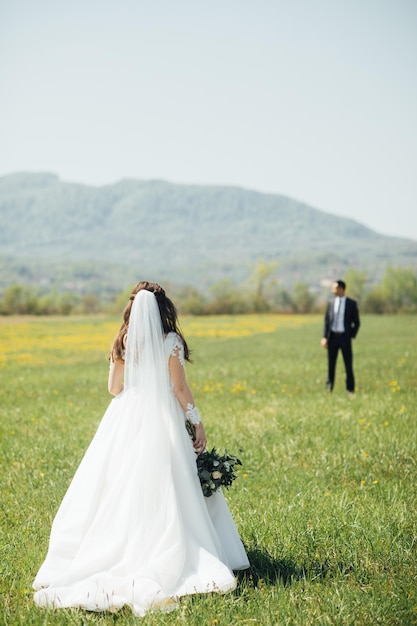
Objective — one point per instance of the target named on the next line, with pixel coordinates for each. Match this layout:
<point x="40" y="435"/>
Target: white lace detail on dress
<point x="178" y="350"/>
<point x="192" y="414"/>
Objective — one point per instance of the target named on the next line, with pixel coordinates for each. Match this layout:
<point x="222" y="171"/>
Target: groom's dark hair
<point x="341" y="284"/>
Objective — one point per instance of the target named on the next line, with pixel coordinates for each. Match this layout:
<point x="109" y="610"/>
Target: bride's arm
<point x="116" y="371"/>
<point x="185" y="398"/>
<point x="115" y="381"/>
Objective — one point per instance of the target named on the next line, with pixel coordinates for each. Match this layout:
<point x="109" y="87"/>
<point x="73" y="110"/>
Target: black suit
<point x="342" y="341"/>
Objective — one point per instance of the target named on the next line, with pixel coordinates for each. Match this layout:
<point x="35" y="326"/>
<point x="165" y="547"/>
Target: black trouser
<point x="343" y="342"/>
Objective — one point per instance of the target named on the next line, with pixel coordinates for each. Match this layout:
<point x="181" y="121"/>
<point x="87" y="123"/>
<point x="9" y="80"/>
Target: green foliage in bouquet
<point x="214" y="471"/>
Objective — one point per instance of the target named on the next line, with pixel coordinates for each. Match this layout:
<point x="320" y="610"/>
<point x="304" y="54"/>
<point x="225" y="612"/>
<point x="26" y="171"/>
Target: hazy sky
<point x="314" y="99"/>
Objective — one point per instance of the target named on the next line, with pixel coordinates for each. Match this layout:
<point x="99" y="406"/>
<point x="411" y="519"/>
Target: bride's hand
<point x="200" y="438"/>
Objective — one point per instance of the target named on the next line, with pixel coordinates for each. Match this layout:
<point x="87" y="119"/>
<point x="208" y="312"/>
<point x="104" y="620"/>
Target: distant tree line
<point x="261" y="293"/>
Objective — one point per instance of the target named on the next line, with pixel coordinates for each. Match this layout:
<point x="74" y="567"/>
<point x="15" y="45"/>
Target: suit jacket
<point x="351" y="318"/>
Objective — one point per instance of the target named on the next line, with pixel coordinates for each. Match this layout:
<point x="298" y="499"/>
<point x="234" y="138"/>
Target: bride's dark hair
<point x="167" y="311"/>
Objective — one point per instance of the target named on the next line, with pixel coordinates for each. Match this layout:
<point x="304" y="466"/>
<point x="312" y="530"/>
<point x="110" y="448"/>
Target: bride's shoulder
<point x="173" y="340"/>
<point x="174" y="346"/>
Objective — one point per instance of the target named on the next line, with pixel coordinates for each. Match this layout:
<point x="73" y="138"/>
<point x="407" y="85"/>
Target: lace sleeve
<point x="192" y="413"/>
<point x="177" y="350"/>
<point x="179" y="380"/>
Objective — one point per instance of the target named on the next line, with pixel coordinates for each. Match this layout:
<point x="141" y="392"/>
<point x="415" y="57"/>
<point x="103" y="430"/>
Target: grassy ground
<point x="325" y="501"/>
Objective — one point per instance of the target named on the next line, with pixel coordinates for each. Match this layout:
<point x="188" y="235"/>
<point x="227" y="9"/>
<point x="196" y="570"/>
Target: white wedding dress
<point x="134" y="528"/>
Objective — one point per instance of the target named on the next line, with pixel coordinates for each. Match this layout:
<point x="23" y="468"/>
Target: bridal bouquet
<point x="214" y="471"/>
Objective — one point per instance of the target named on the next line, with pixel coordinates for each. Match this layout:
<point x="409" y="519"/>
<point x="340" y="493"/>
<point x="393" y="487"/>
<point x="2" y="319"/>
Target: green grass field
<point x="325" y="501"/>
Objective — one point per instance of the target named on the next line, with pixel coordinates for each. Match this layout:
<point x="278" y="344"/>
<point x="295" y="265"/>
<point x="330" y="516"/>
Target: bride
<point x="134" y="527"/>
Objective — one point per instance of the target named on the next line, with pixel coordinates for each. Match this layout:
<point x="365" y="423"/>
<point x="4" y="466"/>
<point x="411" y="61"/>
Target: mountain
<point x="103" y="239"/>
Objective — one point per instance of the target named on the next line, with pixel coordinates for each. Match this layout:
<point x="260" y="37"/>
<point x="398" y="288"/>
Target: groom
<point x="341" y="325"/>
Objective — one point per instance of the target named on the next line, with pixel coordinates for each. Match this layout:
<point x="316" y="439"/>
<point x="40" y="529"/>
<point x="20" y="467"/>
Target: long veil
<point x="147" y="380"/>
